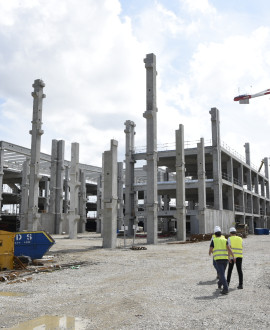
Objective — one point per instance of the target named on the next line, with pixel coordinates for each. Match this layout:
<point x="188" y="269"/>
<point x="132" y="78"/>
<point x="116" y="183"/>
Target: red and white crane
<point x="244" y="99"/>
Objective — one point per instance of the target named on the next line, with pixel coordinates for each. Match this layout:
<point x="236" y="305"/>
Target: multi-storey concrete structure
<point x="187" y="187"/>
<point x="207" y="184"/>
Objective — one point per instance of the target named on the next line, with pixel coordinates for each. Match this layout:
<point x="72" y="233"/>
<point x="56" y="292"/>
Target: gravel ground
<point x="167" y="286"/>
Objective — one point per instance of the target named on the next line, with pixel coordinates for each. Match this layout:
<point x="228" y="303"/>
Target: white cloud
<point x="200" y="6"/>
<point x="89" y="60"/>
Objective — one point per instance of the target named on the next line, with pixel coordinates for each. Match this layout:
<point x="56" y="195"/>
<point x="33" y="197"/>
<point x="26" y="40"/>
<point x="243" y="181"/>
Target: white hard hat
<point x="217" y="229"/>
<point x="232" y="229"/>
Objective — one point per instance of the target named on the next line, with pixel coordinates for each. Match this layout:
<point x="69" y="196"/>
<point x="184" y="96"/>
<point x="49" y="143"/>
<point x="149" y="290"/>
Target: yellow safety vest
<point x="220" y="249"/>
<point x="214" y="236"/>
<point x="237" y="246"/>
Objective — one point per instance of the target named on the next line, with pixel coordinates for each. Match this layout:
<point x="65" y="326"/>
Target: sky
<point x="90" y="55"/>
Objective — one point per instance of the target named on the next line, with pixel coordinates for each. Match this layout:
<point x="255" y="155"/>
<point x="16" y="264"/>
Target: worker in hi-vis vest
<point x="216" y="229"/>
<point x="220" y="249"/>
<point x="236" y="244"/>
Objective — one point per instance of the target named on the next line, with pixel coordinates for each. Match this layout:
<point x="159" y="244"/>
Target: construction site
<point x="116" y="247"/>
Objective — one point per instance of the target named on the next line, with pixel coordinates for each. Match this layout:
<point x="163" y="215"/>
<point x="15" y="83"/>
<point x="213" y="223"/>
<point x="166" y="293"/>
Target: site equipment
<point x="244" y="99"/>
<point x="6" y="250"/>
<point x="33" y="244"/>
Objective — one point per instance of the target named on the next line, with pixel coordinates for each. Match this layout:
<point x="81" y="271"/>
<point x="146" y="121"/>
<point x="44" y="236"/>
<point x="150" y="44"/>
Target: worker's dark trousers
<point x="215" y="265"/>
<point x="239" y="270"/>
<point x="221" y="266"/>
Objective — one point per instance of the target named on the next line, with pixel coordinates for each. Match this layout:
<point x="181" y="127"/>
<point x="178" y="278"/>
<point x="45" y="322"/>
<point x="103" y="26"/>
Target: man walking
<point x="216" y="229"/>
<point x="236" y="244"/>
<point x="220" y="249"/>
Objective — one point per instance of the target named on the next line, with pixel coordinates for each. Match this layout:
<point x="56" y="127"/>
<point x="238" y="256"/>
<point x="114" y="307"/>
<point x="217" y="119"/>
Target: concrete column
<point x="110" y="197"/>
<point x="129" y="176"/>
<point x="248" y="177"/>
<point x="240" y="175"/>
<point x="59" y="186"/>
<point x="256" y="183"/>
<point x="120" y="182"/>
<point x="247" y="152"/>
<point x="46" y="195"/>
<point x="266" y="171"/>
<point x="180" y="184"/>
<point x="82" y="203"/>
<point x="231" y="189"/>
<point x="151" y="150"/>
<point x="262" y="187"/>
<point x="230" y="170"/>
<point x="53" y="178"/>
<point x="201" y="186"/>
<point x="217" y="175"/>
<point x="166" y="202"/>
<point x="74" y="185"/>
<point x="102" y="196"/>
<point x="66" y="191"/>
<point x="36" y="133"/>
<point x="24" y="194"/>
<point x="99" y="204"/>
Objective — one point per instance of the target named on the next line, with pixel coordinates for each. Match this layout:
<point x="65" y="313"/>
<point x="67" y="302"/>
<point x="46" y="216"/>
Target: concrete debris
<point x="138" y="248"/>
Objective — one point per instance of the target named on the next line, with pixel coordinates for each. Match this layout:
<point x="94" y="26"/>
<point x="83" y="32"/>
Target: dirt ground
<point x="166" y="286"/>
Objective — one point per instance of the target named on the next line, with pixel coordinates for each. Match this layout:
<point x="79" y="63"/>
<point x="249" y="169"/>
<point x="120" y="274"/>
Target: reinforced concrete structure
<point x="191" y="188"/>
<point x="187" y="188"/>
<point x="46" y="191"/>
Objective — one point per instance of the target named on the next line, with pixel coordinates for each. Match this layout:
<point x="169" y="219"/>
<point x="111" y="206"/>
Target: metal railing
<point x="193" y="144"/>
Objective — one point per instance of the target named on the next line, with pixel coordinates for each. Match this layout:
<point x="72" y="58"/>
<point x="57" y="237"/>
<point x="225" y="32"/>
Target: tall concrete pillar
<point x="82" y="203"/>
<point x="66" y="191"/>
<point x="36" y="133"/>
<point x="166" y="203"/>
<point x="46" y="195"/>
<point x="230" y="170"/>
<point x="256" y="183"/>
<point x="151" y="150"/>
<point x="74" y="185"/>
<point x="120" y="182"/>
<point x="53" y="178"/>
<point x="230" y="189"/>
<point x="129" y="176"/>
<point x="201" y="186"/>
<point x="102" y="196"/>
<point x="110" y="197"/>
<point x="59" y="186"/>
<point x="24" y="194"/>
<point x="247" y="152"/>
<point x="180" y="184"/>
<point x="99" y="204"/>
<point x="249" y="180"/>
<point x="262" y="184"/>
<point x="217" y="175"/>
<point x="266" y="171"/>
